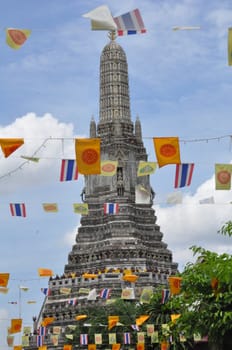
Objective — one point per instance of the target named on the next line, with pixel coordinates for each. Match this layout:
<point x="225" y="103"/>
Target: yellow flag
<point x="47" y="320"/>
<point x="4" y="278"/>
<point x="16" y="325"/>
<point x="45" y="272"/>
<point x="43" y="347"/>
<point x="81" y="208"/>
<point x="112" y="321"/>
<point x="91" y="346"/>
<point x="116" y="346"/>
<point x="230" y="46"/>
<point x="80" y="317"/>
<point x="223" y="176"/>
<point x="146" y="168"/>
<point x="65" y="290"/>
<point x="174" y="284"/>
<point x="50" y="207"/>
<point x="130" y="278"/>
<point x="17" y="347"/>
<point x="67" y="347"/>
<point x="4" y="290"/>
<point x="167" y="150"/>
<point x="174" y="317"/>
<point x="108" y="167"/>
<point x="15" y="38"/>
<point x="140" y="337"/>
<point x="89" y="275"/>
<point x="98" y="338"/>
<point x="88" y="156"/>
<point x="141" y="319"/>
<point x="8" y="146"/>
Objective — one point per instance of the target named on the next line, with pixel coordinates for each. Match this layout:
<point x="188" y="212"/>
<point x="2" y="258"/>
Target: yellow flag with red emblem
<point x="4" y="278"/>
<point x="15" y="38"/>
<point x="167" y="150"/>
<point x="16" y="325"/>
<point x="88" y="156"/>
<point x="174" y="284"/>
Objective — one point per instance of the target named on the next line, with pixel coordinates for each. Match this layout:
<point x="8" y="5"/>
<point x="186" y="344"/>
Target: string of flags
<point x="88" y="162"/>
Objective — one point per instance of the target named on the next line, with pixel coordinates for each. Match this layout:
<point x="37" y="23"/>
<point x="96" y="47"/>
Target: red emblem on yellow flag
<point x="88" y="156"/>
<point x="167" y="150"/>
<point x="4" y="278"/>
<point x="16" y="325"/>
<point x="174" y="284"/>
<point x="15" y="38"/>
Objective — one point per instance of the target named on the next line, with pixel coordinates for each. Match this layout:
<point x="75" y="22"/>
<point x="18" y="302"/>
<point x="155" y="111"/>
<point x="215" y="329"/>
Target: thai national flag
<point x="46" y="291"/>
<point x="111" y="208"/>
<point x="165" y="295"/>
<point x="72" y="301"/>
<point x="105" y="293"/>
<point x="68" y="170"/>
<point x="127" y="339"/>
<point x="40" y="340"/>
<point x="42" y="331"/>
<point x="183" y="175"/>
<point x="18" y="209"/>
<point x="130" y="23"/>
<point x="84" y="339"/>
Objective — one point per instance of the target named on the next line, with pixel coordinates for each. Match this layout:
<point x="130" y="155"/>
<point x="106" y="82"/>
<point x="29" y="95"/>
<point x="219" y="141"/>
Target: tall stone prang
<point x="107" y="245"/>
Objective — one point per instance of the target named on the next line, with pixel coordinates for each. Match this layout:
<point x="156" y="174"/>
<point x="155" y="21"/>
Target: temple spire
<point x="114" y="86"/>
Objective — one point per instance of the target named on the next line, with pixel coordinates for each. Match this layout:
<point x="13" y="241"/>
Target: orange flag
<point x="140" y="346"/>
<point x="167" y="150"/>
<point x="80" y="317"/>
<point x="67" y="347"/>
<point x="17" y="347"/>
<point x="164" y="345"/>
<point x="116" y="346"/>
<point x="174" y="284"/>
<point x="91" y="346"/>
<point x="15" y="38"/>
<point x="8" y="146"/>
<point x="47" y="320"/>
<point x="112" y="321"/>
<point x="141" y="319"/>
<point x="130" y="278"/>
<point x="88" y="156"/>
<point x="45" y="272"/>
<point x="16" y="325"/>
<point x="4" y="278"/>
<point x="89" y="275"/>
<point x="43" y="347"/>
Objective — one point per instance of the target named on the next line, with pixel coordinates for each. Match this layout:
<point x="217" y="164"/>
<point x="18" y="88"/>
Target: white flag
<point x="101" y="18"/>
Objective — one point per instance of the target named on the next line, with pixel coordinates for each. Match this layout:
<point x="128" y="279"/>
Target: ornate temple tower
<point x="107" y="245"/>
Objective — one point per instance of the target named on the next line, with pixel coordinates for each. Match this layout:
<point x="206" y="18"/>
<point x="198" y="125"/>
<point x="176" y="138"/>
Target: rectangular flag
<point x="18" y="209"/>
<point x="50" y="207"/>
<point x="4" y="278"/>
<point x="72" y="302"/>
<point x="167" y="150"/>
<point x="150" y="329"/>
<point x="39" y="340"/>
<point x="111" y="208"/>
<point x="140" y="337"/>
<point x="105" y="293"/>
<point x="42" y="330"/>
<point x="45" y="272"/>
<point x="65" y="290"/>
<point x="230" y="46"/>
<point x="142" y="194"/>
<point x="88" y="156"/>
<point x="165" y="294"/>
<point x="16" y="325"/>
<point x="112" y="338"/>
<point x="128" y="293"/>
<point x="174" y="284"/>
<point x="146" y="168"/>
<point x="127" y="338"/>
<point x="223" y="176"/>
<point x="108" y="167"/>
<point x="183" y="176"/>
<point x="81" y="208"/>
<point x="56" y="329"/>
<point x="98" y="338"/>
<point x="46" y="291"/>
<point x="68" y="171"/>
<point x="84" y="339"/>
<point x="130" y="23"/>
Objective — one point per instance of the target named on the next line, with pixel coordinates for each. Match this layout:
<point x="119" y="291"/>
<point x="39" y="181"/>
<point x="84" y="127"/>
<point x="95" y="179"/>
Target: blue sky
<point x="180" y="85"/>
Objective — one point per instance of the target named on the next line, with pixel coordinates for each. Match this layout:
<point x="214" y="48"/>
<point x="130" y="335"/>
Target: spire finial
<point x="112" y="34"/>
